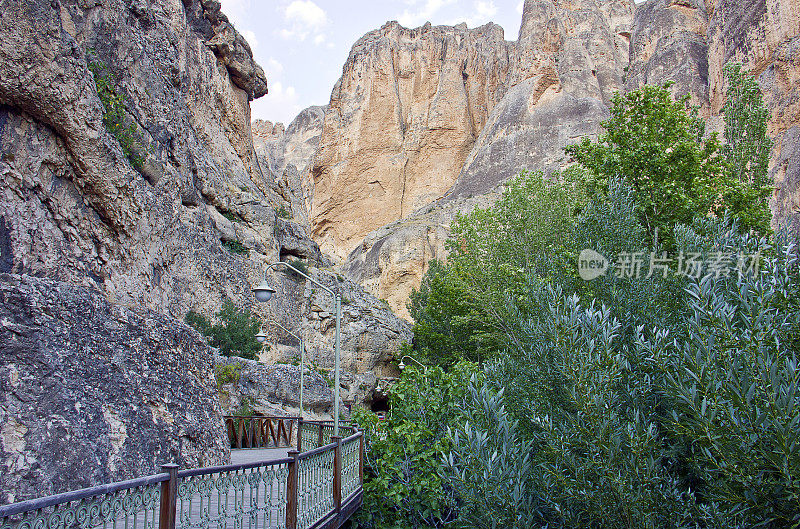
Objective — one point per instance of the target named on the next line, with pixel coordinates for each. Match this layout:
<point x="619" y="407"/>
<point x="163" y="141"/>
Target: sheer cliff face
<point x="402" y="120"/>
<point x="74" y="207"/>
<point x="566" y="65"/>
<point x="764" y="35"/>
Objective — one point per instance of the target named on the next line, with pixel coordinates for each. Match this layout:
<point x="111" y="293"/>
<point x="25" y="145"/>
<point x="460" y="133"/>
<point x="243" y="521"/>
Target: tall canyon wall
<point x="106" y="241"/>
<point x="553" y="87"/>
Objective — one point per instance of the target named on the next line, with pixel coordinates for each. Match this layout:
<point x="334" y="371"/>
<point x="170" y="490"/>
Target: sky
<point x="303" y="44"/>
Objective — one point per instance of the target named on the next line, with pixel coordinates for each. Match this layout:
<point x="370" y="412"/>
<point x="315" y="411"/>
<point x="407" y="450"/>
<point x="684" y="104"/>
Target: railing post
<point x="169" y="493"/>
<point x="291" y="491"/>
<point x="337" y="473"/>
<point x="300" y="434"/>
<point x="319" y="441"/>
<point x="361" y="458"/>
<point x="240" y="430"/>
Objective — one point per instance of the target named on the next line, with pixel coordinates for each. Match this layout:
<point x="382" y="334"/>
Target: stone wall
<point x="92" y="392"/>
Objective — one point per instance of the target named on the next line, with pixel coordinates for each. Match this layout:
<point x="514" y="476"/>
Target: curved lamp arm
<point x="287" y="265"/>
<point x="402" y="365"/>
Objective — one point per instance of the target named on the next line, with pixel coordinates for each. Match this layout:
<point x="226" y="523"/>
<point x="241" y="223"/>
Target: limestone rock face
<point x="74" y="207"/>
<point x="401" y="122"/>
<point x="93" y="392"/>
<point x="285" y="155"/>
<point x="669" y="44"/>
<point x="764" y="35"/>
<point x="565" y="67"/>
<point x="273" y="389"/>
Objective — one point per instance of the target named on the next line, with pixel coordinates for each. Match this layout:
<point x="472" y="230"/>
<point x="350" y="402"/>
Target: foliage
<point x="403" y="484"/>
<point x="245" y="409"/>
<point x="689" y="418"/>
<point x="747" y="146"/>
<point x="283" y="213"/>
<point x="114" y="114"/>
<point x="233" y="333"/>
<point x="300" y="265"/>
<point x="234" y="246"/>
<point x="658" y="148"/>
<point x="231" y="216"/>
<point x="492" y="467"/>
<point x="462" y="309"/>
<point x="447" y="327"/>
<point x="226" y="374"/>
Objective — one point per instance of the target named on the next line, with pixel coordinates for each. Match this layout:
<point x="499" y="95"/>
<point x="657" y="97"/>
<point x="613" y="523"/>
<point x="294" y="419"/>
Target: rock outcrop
<point x="271" y="389"/>
<point x="568" y="61"/>
<point x="172" y="212"/>
<point x="669" y="44"/>
<point x="371" y="335"/>
<point x="285" y="155"/>
<point x="764" y="35"/>
<point x="401" y="122"/>
<point x="93" y="392"/>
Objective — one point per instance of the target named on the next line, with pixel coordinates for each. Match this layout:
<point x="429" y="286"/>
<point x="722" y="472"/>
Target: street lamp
<point x="263" y="293"/>
<point x="402" y="366"/>
<point x="261" y="337"/>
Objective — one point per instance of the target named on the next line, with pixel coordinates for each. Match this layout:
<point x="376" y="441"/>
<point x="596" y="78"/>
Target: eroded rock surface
<point x="182" y="220"/>
<point x="402" y="120"/>
<point x="92" y="392"/>
<point x="764" y="35"/>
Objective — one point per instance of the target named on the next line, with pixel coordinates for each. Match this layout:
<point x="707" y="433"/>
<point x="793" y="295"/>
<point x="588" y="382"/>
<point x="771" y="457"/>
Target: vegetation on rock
<point x="114" y="114"/>
<point x="233" y="332"/>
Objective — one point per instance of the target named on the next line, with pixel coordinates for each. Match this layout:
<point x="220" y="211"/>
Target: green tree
<point x="447" y="325"/>
<point x="657" y="145"/>
<point x="403" y="486"/>
<point x="233" y="333"/>
<point x="747" y="146"/>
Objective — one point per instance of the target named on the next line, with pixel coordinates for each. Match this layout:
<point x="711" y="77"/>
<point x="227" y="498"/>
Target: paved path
<point x="251" y="455"/>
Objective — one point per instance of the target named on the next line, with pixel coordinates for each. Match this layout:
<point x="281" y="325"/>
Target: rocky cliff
<point x="569" y="59"/>
<point x="401" y="122"/>
<point x="91" y="392"/>
<point x="128" y="170"/>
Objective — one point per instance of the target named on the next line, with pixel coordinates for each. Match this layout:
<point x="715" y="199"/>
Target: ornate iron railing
<point x="260" y="432"/>
<point x="319" y="488"/>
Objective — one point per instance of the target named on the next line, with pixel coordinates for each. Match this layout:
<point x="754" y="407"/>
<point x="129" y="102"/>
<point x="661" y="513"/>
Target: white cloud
<point x="482" y="13"/>
<point x="520" y="6"/>
<point x="282" y="103"/>
<point x="251" y="39"/>
<point x="303" y="19"/>
<point x="425" y="14"/>
<point x="236" y="10"/>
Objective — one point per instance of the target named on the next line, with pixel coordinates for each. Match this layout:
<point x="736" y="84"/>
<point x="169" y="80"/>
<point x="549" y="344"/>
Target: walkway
<point x="251" y="455"/>
<point x="317" y="488"/>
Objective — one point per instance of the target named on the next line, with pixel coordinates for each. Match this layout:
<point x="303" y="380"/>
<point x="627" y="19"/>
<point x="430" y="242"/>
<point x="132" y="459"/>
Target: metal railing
<point x="319" y="488"/>
<point x="260" y="432"/>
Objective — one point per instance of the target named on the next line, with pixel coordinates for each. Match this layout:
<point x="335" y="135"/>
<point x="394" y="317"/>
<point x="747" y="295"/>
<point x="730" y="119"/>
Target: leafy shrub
<point x="403" y="482"/>
<point x="233" y="333"/>
<point x="236" y="247"/>
<point x="226" y="374"/>
<point x="114" y="114"/>
<point x="283" y="213"/>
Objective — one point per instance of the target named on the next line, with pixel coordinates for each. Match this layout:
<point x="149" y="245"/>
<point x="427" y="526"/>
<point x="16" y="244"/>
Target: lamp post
<point x="261" y="337"/>
<point x="263" y="293"/>
<point x="402" y="366"/>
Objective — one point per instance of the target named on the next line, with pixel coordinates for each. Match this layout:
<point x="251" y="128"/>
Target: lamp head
<point x="401" y="365"/>
<point x="261" y="337"/>
<point x="263" y="291"/>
